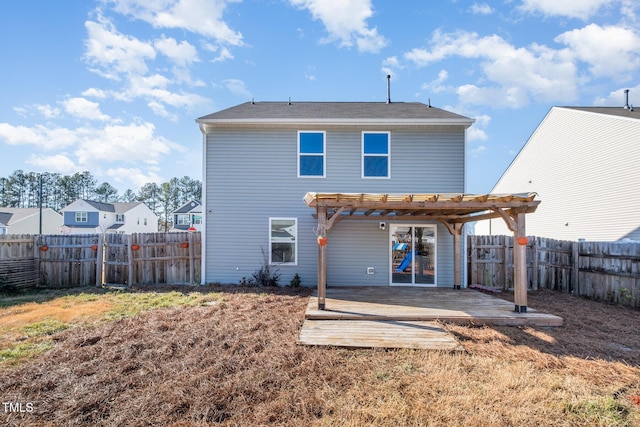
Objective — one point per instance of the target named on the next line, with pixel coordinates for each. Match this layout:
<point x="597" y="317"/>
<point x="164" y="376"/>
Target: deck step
<point x="377" y="334"/>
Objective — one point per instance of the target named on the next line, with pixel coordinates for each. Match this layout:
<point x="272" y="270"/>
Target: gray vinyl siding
<point x="252" y="176"/>
<point x="584" y="167"/>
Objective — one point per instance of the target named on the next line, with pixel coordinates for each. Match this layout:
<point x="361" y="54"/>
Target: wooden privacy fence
<point x="95" y="259"/>
<point x="606" y="271"/>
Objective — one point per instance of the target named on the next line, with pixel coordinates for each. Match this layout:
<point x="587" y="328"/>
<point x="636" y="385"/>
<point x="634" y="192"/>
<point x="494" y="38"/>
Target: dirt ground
<point x="236" y="362"/>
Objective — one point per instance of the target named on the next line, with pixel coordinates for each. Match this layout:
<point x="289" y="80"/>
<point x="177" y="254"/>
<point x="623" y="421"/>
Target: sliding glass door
<point x="413" y="255"/>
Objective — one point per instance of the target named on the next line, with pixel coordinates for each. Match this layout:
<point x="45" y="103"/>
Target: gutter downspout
<point x="203" y="242"/>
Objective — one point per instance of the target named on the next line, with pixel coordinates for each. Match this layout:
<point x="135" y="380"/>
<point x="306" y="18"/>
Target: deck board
<point x="424" y="304"/>
<point x="377" y="334"/>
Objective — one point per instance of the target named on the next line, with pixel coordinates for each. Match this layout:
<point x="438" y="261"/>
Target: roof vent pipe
<point x="626" y="101"/>
<point x="388" y="88"/>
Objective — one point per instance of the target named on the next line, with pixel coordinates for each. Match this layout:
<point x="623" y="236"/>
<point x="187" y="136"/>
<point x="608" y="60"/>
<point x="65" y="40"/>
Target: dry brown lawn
<point x="235" y="362"/>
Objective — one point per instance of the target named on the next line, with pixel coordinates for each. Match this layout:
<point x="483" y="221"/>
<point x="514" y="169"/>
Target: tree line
<point x="22" y="190"/>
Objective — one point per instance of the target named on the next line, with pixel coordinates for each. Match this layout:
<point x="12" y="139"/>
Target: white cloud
<point x="182" y="54"/>
<point x="204" y="17"/>
<point x="45" y="110"/>
<point x="40" y="136"/>
<point x="94" y="93"/>
<point x="435" y="85"/>
<point x="516" y="74"/>
<point x="581" y="9"/>
<point x="345" y="21"/>
<point x="84" y="109"/>
<point x="480" y="149"/>
<point x="310" y="73"/>
<point x="237" y="87"/>
<point x="122" y="143"/>
<point x="390" y="66"/>
<point x="56" y="163"/>
<point x="619" y="56"/>
<point x="112" y="54"/>
<point x="481" y="9"/>
<point x="133" y="177"/>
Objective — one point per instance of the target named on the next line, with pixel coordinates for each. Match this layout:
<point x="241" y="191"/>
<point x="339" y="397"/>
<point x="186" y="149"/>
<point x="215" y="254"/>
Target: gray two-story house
<point x="261" y="159"/>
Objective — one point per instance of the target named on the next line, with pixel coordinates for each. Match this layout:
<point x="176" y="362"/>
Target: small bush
<point x="296" y="281"/>
<point x="266" y="275"/>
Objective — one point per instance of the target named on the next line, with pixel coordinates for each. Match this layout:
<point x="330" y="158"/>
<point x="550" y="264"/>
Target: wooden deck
<point x="405" y="317"/>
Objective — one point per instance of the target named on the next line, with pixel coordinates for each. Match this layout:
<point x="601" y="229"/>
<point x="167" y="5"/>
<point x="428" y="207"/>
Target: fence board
<point x="606" y="271"/>
<point x="88" y="259"/>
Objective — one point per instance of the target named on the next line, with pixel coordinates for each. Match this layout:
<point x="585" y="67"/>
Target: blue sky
<point x="114" y="86"/>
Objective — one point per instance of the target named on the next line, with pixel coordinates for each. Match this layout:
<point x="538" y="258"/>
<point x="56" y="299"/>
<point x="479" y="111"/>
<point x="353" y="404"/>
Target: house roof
<point x="13" y="215"/>
<point x="124" y="207"/>
<point x="612" y="111"/>
<point x="116" y="207"/>
<point x="190" y="206"/>
<point x="103" y="207"/>
<point x="5" y="217"/>
<point x="335" y="113"/>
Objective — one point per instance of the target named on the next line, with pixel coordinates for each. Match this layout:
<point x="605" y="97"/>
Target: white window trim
<point x="388" y="155"/>
<point x="295" y="240"/>
<point x="82" y="216"/>
<point x="324" y="154"/>
<point x="183" y="219"/>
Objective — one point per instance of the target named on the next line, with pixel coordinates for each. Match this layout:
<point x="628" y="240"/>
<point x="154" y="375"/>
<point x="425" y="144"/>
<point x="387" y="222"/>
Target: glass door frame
<point x="434" y="255"/>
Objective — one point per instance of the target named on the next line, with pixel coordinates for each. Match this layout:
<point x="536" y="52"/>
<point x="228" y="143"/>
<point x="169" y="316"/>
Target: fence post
<point x="575" y="268"/>
<point x="474" y="264"/>
<point x="129" y="261"/>
<point x="99" y="261"/>
<point x="534" y="263"/>
<point x="192" y="273"/>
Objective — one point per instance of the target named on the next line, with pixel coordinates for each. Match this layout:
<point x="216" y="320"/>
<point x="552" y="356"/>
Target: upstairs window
<point x="311" y="154"/>
<point x="196" y="219"/>
<point x="81" y="217"/>
<point x="375" y="155"/>
<point x="283" y="235"/>
<point x="120" y="218"/>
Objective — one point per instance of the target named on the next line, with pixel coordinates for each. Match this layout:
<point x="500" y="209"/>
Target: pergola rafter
<point x="452" y="210"/>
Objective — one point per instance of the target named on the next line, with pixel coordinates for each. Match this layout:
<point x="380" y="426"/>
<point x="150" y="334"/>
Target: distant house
<point x="188" y="217"/>
<point x="584" y="163"/>
<point x="85" y="217"/>
<point x="383" y="181"/>
<point x="27" y="221"/>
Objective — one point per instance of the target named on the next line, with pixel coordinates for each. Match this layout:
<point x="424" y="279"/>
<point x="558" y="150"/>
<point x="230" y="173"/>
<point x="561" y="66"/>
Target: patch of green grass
<point x="130" y="304"/>
<point x="45" y="328"/>
<point x="16" y="353"/>
<point x="607" y="411"/>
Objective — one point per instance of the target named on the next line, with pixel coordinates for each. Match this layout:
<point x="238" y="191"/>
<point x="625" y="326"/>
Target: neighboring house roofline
<point x="629" y="113"/>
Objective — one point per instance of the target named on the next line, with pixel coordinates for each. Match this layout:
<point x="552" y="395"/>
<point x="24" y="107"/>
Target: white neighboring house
<point x="188" y="217"/>
<point x="584" y="163"/>
<point x="88" y="217"/>
<point x="27" y="221"/>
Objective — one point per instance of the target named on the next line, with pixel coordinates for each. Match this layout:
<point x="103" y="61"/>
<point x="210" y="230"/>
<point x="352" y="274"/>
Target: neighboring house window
<point x="182" y="219"/>
<point x="197" y="219"/>
<point x="375" y="155"/>
<point x="120" y="218"/>
<point x="283" y="235"/>
<point x="81" y="217"/>
<point x="311" y="154"/>
<point x="145" y="221"/>
<point x="138" y="221"/>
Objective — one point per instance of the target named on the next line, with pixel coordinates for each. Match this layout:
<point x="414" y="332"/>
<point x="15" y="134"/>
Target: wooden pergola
<point x="452" y="210"/>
